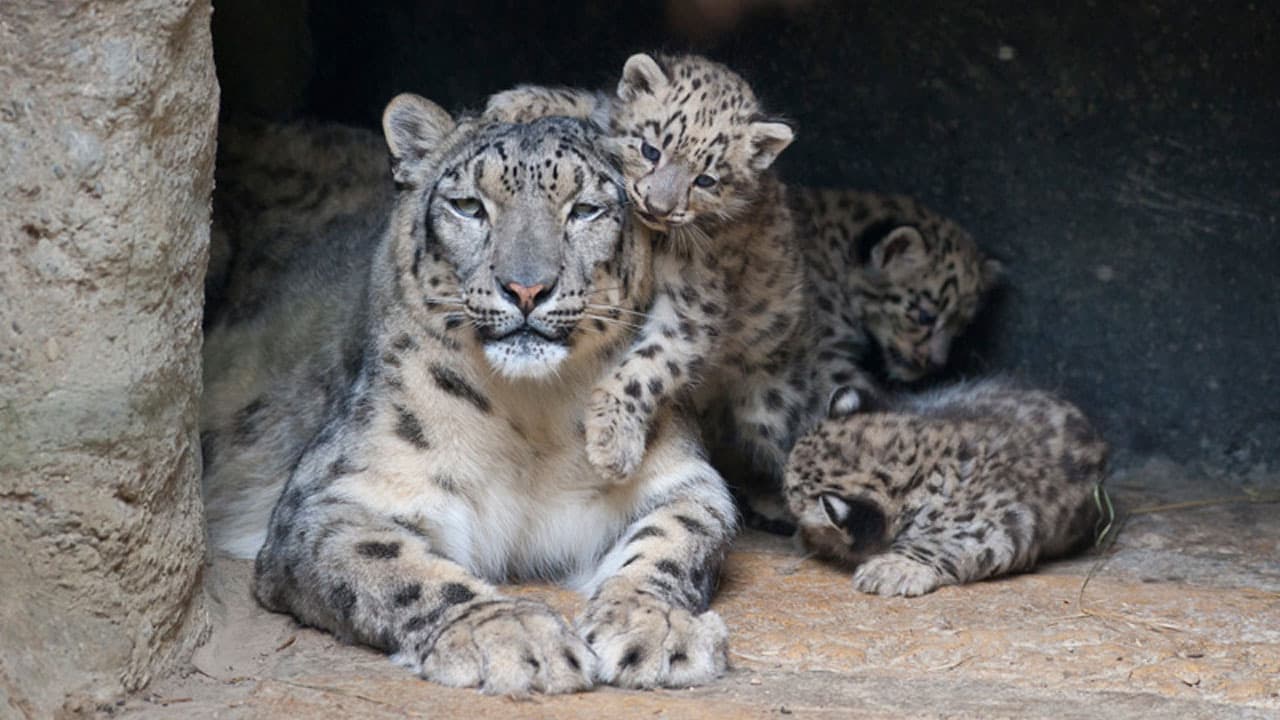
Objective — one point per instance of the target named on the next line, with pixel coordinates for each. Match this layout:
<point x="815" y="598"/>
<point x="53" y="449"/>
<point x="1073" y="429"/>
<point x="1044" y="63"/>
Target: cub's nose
<point x="657" y="209"/>
<point x="526" y="297"/>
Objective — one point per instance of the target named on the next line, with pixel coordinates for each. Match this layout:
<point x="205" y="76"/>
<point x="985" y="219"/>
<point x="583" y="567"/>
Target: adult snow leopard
<point x="424" y="392"/>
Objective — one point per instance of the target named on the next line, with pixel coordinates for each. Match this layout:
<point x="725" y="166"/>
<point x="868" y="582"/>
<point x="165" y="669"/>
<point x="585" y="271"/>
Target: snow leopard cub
<point x="893" y="282"/>
<point x="696" y="149"/>
<point x="952" y="486"/>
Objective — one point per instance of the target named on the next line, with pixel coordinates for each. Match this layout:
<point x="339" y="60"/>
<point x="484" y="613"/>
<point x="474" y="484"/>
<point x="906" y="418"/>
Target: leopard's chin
<point x="525" y="354"/>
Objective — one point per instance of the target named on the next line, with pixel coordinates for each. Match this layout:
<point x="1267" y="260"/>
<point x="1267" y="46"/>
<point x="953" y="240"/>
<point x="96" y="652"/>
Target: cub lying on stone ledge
<point x="951" y="486"/>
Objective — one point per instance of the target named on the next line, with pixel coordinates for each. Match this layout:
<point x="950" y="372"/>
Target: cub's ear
<point x="768" y="140"/>
<point x="413" y="126"/>
<point x="992" y="273"/>
<point x="836" y="508"/>
<point x="862" y="519"/>
<point x="902" y="250"/>
<point x="641" y="74"/>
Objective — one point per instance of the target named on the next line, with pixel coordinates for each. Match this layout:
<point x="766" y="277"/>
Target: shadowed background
<point x="1122" y="162"/>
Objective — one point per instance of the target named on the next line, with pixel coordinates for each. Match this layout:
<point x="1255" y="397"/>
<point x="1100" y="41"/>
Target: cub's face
<point x="847" y="528"/>
<point x="842" y="482"/>
<point x="926" y="293"/>
<point x="528" y="223"/>
<point x="692" y="141"/>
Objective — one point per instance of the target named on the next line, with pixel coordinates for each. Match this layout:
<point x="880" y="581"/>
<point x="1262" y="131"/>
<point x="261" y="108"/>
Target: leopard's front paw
<point x="616" y="434"/>
<point x="642" y="642"/>
<point x="893" y="574"/>
<point x="508" y="647"/>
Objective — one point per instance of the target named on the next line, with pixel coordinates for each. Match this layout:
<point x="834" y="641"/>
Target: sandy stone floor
<point x="1181" y="619"/>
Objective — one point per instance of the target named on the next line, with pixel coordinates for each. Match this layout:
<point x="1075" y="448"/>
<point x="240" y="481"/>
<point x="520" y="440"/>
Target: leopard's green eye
<point x="468" y="207"/>
<point x="585" y="211"/>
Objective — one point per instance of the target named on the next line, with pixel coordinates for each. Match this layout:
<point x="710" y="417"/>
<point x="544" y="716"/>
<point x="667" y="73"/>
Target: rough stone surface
<point x="1181" y="620"/>
<point x="107" y="120"/>
<point x="1122" y="161"/>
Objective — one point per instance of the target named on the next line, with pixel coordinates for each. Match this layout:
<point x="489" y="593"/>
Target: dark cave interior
<point x="1122" y="161"/>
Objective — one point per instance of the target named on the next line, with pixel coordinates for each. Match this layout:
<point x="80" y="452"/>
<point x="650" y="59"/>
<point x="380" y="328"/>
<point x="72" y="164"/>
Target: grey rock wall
<point x="107" y="121"/>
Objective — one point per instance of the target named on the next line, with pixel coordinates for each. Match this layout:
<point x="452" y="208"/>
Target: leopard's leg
<point x="952" y="545"/>
<point x="774" y="406"/>
<point x="338" y="564"/>
<point x="836" y="364"/>
<point x="647" y="619"/>
<point x="668" y="356"/>
<point x="526" y="103"/>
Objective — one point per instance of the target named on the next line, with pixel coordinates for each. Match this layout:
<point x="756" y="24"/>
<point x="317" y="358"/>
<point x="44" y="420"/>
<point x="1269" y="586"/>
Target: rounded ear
<point x="992" y="272"/>
<point x="835" y="507"/>
<point x="413" y="126"/>
<point x="768" y="140"/>
<point x="641" y="74"/>
<point x="902" y="248"/>
<point x="860" y="517"/>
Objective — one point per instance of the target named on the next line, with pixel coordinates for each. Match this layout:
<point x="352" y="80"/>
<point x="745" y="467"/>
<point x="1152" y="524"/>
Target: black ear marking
<point x="863" y="520"/>
<point x="866" y="523"/>
<point x="872" y="236"/>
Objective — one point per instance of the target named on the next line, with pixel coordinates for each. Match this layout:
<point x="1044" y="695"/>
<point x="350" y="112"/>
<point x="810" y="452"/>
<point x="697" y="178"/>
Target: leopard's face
<point x="531" y="223"/>
<point x="692" y="140"/>
<point x="845" y="482"/>
<point x="930" y="290"/>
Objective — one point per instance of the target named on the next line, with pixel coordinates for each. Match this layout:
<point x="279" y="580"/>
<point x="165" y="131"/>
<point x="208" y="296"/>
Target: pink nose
<point x="526" y="295"/>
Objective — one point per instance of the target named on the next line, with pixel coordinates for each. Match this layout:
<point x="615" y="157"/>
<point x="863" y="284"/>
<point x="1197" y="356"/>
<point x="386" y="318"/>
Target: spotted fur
<point x="696" y="150"/>
<point x="423" y="393"/>
<point x="280" y="187"/>
<point x="774" y="298"/>
<point x="910" y="279"/>
<point x="953" y="486"/>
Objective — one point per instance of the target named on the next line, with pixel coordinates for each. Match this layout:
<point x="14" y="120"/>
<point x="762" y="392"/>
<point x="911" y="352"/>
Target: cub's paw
<point x="518" y="105"/>
<point x="509" y="647"/>
<point x="893" y="574"/>
<point x="616" y="431"/>
<point x="642" y="642"/>
<point x="845" y="401"/>
<point x="859" y="395"/>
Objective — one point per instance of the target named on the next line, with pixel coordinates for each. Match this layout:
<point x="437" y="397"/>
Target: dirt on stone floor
<point x="1180" y="618"/>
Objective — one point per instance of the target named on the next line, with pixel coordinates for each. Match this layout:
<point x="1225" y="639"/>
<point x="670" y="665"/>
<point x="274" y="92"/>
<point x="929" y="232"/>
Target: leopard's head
<point x="693" y="140"/>
<point x="845" y="481"/>
<point x="922" y="287"/>
<point x="520" y="232"/>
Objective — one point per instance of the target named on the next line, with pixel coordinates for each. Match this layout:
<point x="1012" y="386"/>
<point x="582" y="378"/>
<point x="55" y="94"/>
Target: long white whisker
<point x="615" y="308"/>
<point x="445" y="301"/>
<point x="614" y="321"/>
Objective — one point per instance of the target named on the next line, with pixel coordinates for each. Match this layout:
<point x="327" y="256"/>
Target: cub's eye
<point x="704" y="181"/>
<point x="585" y="211"/>
<point x="926" y="318"/>
<point x="650" y="152"/>
<point x="468" y="207"/>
